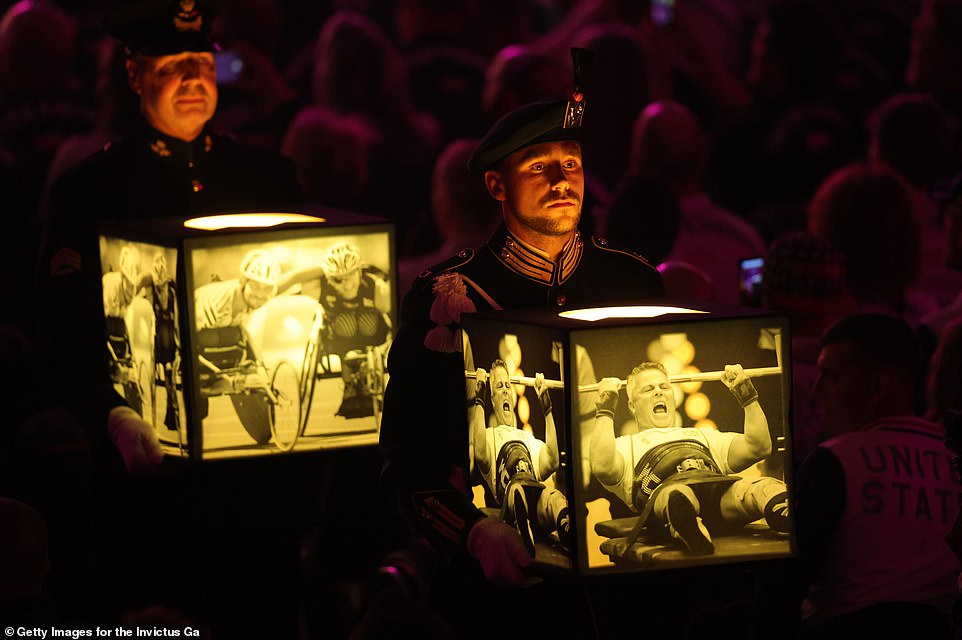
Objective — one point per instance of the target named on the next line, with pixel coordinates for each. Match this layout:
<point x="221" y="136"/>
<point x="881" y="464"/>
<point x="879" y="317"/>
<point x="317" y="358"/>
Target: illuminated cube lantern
<point x="252" y="334"/>
<point x="642" y="457"/>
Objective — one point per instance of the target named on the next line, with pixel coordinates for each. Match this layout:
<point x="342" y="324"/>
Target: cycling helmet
<point x="130" y="263"/>
<point x="159" y="271"/>
<point x="341" y="259"/>
<point x="261" y="266"/>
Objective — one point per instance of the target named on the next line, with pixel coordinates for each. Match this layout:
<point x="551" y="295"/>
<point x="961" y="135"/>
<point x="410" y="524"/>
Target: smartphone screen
<point x="750" y="281"/>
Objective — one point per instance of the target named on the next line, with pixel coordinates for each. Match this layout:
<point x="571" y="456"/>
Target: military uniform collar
<point x="533" y="263"/>
<point x="175" y="149"/>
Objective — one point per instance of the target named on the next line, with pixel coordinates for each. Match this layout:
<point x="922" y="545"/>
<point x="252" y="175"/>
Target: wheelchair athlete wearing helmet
<point x="120" y="287"/>
<point x="356" y="300"/>
<point x="229" y="302"/>
<point x="676" y="476"/>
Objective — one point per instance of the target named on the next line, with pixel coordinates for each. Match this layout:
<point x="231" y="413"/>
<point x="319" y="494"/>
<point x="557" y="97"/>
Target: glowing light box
<point x="642" y="438"/>
<point x="250" y="335"/>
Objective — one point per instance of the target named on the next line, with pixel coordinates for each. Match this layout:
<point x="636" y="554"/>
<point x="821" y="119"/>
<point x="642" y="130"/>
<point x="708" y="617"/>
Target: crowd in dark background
<point x="823" y="136"/>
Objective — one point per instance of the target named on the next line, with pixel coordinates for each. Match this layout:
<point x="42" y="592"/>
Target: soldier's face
<point x="541" y="188"/>
<point x="347" y="285"/>
<point x="651" y="399"/>
<point x="502" y="396"/>
<point x="178" y="93"/>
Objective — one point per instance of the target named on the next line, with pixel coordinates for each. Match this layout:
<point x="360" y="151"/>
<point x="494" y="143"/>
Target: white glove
<point x="136" y="441"/>
<point x="499" y="549"/>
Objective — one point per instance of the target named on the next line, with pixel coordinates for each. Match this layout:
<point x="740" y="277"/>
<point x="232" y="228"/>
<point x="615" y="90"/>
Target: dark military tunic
<point x="424" y="433"/>
<point x="148" y="175"/>
<point x="156" y="535"/>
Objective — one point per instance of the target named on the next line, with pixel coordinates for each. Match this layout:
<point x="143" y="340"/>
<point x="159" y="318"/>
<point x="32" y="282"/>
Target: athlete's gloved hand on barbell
<point x="543" y="396"/>
<point x="739" y="384"/>
<point x="481" y="389"/>
<point x="607" y="397"/>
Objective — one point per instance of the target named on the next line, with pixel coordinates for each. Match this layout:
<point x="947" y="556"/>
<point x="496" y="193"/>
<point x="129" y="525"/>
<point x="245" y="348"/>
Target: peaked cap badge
<point x="188" y="18"/>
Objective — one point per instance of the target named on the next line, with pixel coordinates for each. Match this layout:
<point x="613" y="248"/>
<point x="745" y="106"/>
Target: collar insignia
<point x="534" y="264"/>
<point x="160" y="148"/>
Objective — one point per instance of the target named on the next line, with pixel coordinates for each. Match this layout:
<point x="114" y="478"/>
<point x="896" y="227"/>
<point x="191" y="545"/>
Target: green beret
<point x="525" y="126"/>
<point x="164" y="27"/>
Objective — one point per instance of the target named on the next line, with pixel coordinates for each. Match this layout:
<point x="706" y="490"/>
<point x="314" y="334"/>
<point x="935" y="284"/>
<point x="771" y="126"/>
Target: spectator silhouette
<point x="464" y="214"/>
<point x="358" y="71"/>
<point x="935" y="53"/>
<point x="805" y="277"/>
<point x="332" y="154"/>
<point x="876" y="500"/>
<point x="617" y="86"/>
<point x="518" y="75"/>
<point x="670" y="145"/>
<point x="868" y="214"/>
<point x="914" y="135"/>
<point x="644" y="215"/>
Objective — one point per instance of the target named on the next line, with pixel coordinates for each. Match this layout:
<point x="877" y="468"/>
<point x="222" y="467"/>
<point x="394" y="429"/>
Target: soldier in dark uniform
<point x="531" y="163"/>
<point x="172" y="166"/>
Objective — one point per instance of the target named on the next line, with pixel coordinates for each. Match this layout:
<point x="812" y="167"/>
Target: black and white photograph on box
<point x="516" y="420"/>
<point x="683" y="457"/>
<point x="290" y="341"/>
<point x="142" y="334"/>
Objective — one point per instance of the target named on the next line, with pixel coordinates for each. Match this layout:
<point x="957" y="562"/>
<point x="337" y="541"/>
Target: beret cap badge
<point x="188" y="18"/>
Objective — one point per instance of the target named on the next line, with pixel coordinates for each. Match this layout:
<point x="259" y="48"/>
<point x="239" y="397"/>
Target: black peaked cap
<point x="164" y="27"/>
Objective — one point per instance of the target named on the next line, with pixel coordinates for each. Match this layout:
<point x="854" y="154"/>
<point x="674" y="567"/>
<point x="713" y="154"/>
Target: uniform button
<point x="602" y="241"/>
<point x="505" y="253"/>
<point x="196" y="186"/>
<point x="463" y="254"/>
<point x="560" y="300"/>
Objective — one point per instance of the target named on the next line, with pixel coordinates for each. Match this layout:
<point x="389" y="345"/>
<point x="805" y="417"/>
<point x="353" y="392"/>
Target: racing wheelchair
<point x="362" y="356"/>
<point x="130" y="343"/>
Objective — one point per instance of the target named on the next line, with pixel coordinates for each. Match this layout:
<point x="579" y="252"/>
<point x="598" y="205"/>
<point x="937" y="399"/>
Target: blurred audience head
<point x="868" y="368"/>
<point x="519" y="75"/>
<point x="668" y="144"/>
<point x="914" y="135"/>
<point x="796" y="48"/>
<point x="644" y="215"/>
<point x="805" y="276"/>
<point x="357" y="69"/>
<point x="258" y="23"/>
<point x="935" y="59"/>
<point x="331" y="152"/>
<point x="868" y="214"/>
<point x="37" y="48"/>
<point x="463" y="209"/>
<point x="616" y="89"/>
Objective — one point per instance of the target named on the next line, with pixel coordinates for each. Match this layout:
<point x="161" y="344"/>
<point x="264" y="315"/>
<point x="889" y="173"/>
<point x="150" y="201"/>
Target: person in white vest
<point x="877" y="497"/>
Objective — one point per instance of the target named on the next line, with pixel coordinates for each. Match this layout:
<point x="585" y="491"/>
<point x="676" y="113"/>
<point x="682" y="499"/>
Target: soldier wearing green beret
<point x="530" y="162"/>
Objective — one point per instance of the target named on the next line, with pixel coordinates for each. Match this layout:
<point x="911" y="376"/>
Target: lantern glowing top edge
<point x="248" y="220"/>
<point x="594" y="314"/>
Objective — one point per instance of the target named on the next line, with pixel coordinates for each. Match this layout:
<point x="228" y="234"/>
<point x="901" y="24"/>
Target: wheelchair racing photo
<point x="289" y="342"/>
